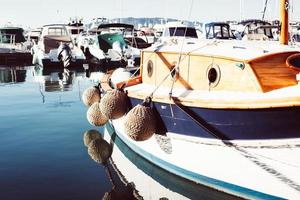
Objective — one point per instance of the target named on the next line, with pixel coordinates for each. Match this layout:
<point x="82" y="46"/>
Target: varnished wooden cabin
<point x="220" y="74"/>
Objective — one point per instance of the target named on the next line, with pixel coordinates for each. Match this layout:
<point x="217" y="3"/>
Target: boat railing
<point x="8" y="38"/>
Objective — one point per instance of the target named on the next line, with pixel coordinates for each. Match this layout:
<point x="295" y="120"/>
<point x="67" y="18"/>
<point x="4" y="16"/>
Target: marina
<point x="169" y="107"/>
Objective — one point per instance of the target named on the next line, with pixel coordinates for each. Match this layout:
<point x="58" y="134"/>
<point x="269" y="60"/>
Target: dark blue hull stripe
<point x="234" y="124"/>
<point x="189" y="175"/>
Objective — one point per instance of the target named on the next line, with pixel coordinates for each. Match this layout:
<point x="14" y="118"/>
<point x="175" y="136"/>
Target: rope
<point x="165" y="78"/>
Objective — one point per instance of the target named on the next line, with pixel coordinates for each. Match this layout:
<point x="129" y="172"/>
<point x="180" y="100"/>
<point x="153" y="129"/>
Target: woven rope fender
<point x="100" y="150"/>
<point x="89" y="136"/>
<point x="94" y="115"/>
<point x="139" y="122"/>
<point x="91" y="95"/>
<point x="113" y="104"/>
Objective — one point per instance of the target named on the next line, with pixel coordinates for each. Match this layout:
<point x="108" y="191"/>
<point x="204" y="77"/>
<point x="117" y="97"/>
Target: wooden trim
<point x="199" y="54"/>
<point x="264" y="57"/>
<point x="130" y="82"/>
<point x="217" y="103"/>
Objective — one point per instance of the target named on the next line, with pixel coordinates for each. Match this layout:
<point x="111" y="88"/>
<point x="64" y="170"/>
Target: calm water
<point x="42" y="155"/>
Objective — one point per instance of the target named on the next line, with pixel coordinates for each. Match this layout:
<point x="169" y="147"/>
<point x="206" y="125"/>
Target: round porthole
<point x="149" y="68"/>
<point x="213" y="75"/>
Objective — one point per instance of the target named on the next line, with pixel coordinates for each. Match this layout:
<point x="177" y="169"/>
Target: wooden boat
<point x="226" y="114"/>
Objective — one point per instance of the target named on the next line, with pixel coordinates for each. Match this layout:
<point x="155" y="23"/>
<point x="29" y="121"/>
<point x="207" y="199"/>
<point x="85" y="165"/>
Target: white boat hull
<point x="254" y="170"/>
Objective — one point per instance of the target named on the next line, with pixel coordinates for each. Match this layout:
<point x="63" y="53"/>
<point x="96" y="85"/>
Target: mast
<point x="264" y="11"/>
<point x="284" y="34"/>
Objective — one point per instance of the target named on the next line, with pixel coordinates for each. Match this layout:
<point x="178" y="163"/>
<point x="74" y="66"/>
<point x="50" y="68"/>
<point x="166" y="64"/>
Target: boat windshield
<point x="76" y="31"/>
<point x="11" y="35"/>
<point x="183" y="32"/>
<point x="221" y="31"/>
<point x="57" y="31"/>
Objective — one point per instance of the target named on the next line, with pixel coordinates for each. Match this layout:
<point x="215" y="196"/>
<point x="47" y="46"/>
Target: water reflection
<point x="62" y="79"/>
<point x="133" y="177"/>
<point x="100" y="151"/>
<point x="16" y="74"/>
<point x="40" y="145"/>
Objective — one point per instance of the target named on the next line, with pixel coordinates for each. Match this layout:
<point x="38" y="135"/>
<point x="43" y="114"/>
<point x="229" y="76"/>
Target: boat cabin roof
<point x="254" y="21"/>
<point x="116" y="25"/>
<point x="54" y="29"/>
<point x="238" y="50"/>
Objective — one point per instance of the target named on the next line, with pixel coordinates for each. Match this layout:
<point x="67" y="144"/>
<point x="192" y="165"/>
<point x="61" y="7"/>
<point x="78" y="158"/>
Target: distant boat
<point x="12" y="37"/>
<point x="221" y="113"/>
<point x="218" y="30"/>
<point x="75" y="27"/>
<point x="257" y="30"/>
<point x="177" y="29"/>
<point x="109" y="45"/>
<point x="55" y="47"/>
<point x="32" y="36"/>
<point x="13" y="46"/>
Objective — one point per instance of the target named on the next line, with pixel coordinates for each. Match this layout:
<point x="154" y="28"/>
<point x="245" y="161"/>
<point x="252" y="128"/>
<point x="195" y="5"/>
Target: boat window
<point x="183" y="31"/>
<point x="225" y="32"/>
<point x="217" y="30"/>
<point x="76" y="31"/>
<point x="268" y="32"/>
<point x="10" y="35"/>
<point x="57" y="31"/>
<point x="209" y="32"/>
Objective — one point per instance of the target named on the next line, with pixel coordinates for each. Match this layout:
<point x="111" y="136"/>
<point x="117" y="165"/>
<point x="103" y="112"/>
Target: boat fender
<point x="140" y="122"/>
<point x="94" y="115"/>
<point x="91" y="95"/>
<point x="119" y="75"/>
<point x="100" y="150"/>
<point x="113" y="104"/>
<point x="89" y="136"/>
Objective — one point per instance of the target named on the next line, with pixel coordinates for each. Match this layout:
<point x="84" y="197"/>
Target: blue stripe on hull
<point x="189" y="175"/>
<point x="273" y="123"/>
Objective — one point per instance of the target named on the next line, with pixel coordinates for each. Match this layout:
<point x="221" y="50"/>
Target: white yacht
<point x="55" y="47"/>
<point x="13" y="46"/>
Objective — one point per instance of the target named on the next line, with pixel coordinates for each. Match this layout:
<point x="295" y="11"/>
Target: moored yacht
<point x="55" y="47"/>
<point x="112" y="44"/>
<point x="13" y="46"/>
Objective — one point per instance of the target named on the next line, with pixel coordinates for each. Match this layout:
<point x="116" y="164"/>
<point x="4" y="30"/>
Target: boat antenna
<point x="265" y="8"/>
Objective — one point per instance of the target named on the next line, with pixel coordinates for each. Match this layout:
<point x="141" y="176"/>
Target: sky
<point x="35" y="13"/>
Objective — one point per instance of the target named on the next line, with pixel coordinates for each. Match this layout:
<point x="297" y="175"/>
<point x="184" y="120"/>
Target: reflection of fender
<point x="64" y="54"/>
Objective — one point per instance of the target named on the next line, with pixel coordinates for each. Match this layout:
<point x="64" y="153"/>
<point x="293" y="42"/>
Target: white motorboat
<point x="55" y="47"/>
